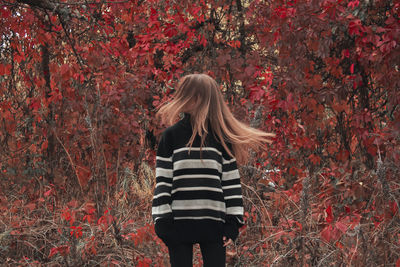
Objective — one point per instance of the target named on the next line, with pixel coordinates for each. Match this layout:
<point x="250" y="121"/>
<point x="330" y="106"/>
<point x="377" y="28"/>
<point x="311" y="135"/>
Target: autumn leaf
<point x="329" y="215"/>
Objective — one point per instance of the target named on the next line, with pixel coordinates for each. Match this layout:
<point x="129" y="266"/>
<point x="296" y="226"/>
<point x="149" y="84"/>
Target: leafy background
<point x="81" y="82"/>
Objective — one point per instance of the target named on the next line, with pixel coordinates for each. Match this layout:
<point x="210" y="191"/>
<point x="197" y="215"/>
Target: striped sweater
<point x="196" y="186"/>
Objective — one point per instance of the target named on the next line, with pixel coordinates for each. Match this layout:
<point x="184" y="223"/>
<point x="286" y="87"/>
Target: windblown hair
<point x="200" y="96"/>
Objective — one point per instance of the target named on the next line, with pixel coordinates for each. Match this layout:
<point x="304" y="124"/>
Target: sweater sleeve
<point x="232" y="190"/>
<point x="161" y="205"/>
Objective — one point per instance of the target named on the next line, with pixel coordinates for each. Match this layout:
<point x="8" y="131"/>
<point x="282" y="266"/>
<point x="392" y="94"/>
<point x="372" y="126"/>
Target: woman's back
<point x="198" y="189"/>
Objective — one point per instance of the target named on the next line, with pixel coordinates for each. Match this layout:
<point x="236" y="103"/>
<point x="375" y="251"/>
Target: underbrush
<point x="326" y="218"/>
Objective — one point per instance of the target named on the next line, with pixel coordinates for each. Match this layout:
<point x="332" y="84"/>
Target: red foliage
<point x="80" y="84"/>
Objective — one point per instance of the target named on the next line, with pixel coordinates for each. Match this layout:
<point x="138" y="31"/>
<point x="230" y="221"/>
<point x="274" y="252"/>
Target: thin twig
<point x="262" y="203"/>
<point x="355" y="250"/>
<point x="70" y="159"/>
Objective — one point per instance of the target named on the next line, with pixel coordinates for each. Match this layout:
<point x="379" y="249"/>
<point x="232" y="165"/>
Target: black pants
<point x="181" y="255"/>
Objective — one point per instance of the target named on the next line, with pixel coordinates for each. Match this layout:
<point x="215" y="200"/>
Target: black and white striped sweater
<point x="190" y="188"/>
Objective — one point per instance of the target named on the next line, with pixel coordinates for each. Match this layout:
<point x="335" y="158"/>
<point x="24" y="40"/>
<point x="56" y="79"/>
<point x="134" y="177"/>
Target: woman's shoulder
<point x="175" y="133"/>
<point x="180" y="127"/>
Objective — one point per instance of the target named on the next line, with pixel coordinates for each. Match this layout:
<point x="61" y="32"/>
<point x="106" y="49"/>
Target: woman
<point x="198" y="196"/>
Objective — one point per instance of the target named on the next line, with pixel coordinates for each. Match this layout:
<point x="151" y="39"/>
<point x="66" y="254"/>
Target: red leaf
<point x="44" y="145"/>
<point x="347" y="209"/>
<point x="84" y="175"/>
<point x="341" y="226"/>
<point x="144" y="263"/>
<point x="63" y="250"/>
<point x="353" y="4"/>
<point x="4" y="69"/>
<point x="65" y="71"/>
<point x="329" y="216"/>
<point x="256" y="93"/>
<point x="35" y="104"/>
<point x="315" y="159"/>
<point x="327" y="233"/>
<point x="31" y="206"/>
<point x="112" y="178"/>
<point x="393" y="206"/>
<point x="53" y="251"/>
<point x="48" y="193"/>
<point x="331" y="233"/>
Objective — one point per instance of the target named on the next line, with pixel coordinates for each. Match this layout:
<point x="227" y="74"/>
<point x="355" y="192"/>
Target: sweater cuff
<point x="231" y="227"/>
<point x="235" y="219"/>
<point x="164" y="228"/>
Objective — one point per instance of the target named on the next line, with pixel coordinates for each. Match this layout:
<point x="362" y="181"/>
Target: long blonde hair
<point x="199" y="95"/>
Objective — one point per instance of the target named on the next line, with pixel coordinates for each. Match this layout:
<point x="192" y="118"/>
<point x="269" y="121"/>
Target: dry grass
<point x="288" y="230"/>
<point x="272" y="237"/>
